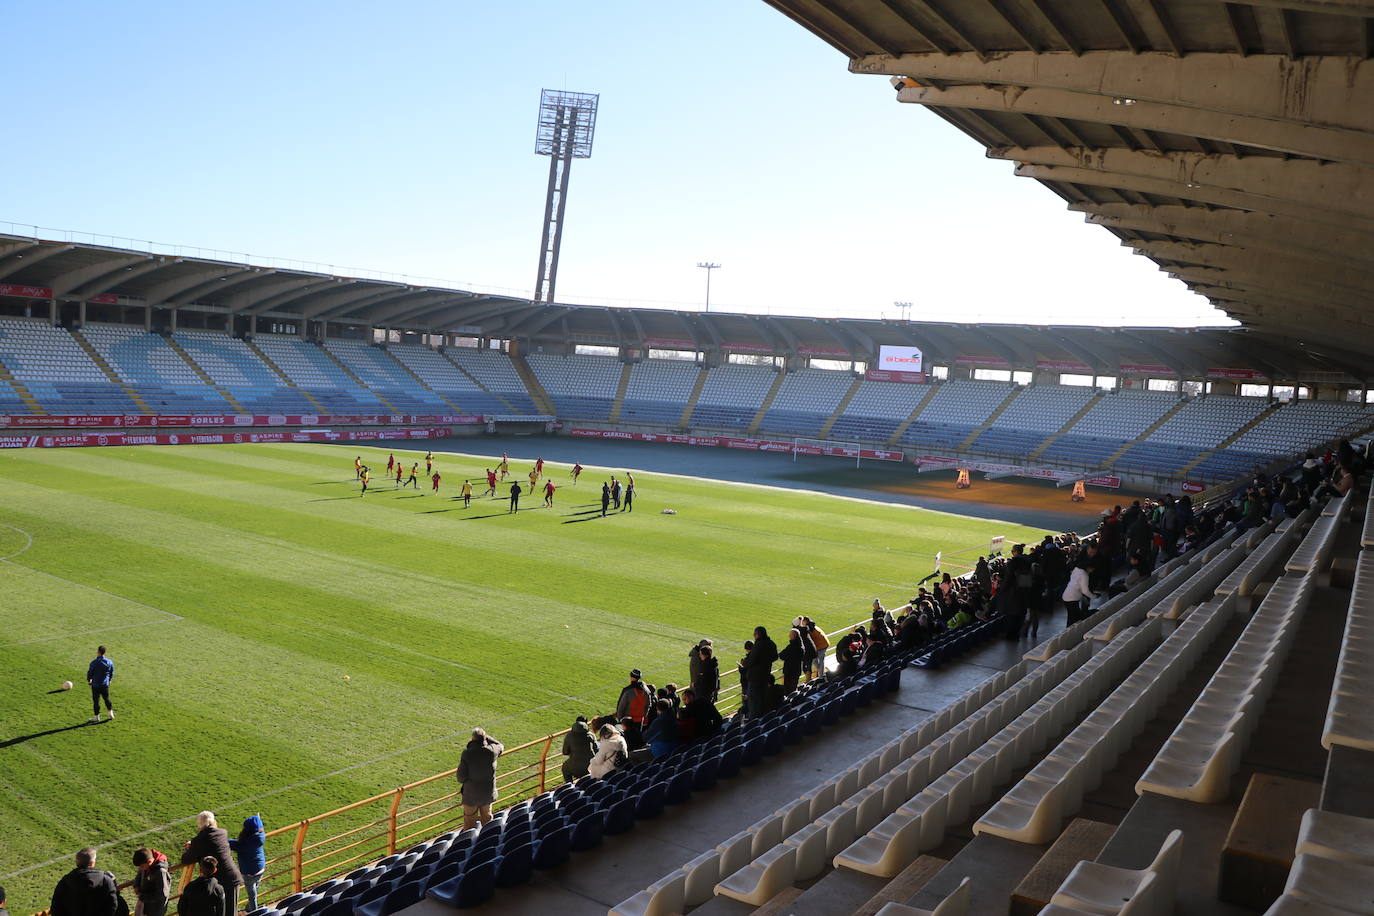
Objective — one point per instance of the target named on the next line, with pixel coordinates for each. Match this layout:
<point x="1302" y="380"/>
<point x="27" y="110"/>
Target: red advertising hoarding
<point x="905" y="378"/>
<point x="118" y="421"/>
<point x="77" y="440"/>
<point x="758" y="445"/>
<point x="740" y="346"/>
<point x="45" y="292"/>
<point x="1236" y="375"/>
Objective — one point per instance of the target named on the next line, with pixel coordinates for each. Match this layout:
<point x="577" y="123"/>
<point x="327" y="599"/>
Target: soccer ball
<point x="66" y="685"/>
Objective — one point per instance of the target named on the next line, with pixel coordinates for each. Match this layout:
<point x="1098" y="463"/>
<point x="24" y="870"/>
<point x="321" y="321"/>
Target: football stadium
<point x="339" y="593"/>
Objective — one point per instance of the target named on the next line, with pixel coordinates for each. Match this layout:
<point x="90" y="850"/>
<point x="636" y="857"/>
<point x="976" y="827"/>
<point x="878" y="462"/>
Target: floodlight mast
<point x="567" y="123"/>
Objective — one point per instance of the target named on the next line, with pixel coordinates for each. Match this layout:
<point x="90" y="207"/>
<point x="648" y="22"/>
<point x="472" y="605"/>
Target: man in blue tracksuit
<point x="99" y="675"/>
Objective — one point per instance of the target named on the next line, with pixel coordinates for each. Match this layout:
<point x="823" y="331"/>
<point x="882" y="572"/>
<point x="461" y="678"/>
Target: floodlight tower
<point x="567" y="122"/>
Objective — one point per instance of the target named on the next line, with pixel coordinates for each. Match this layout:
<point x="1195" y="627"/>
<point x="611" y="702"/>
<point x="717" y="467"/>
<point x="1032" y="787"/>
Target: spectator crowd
<point x="1022" y="588"/>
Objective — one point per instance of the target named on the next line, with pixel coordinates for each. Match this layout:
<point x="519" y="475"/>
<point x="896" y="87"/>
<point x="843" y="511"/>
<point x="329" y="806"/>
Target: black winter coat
<point x="214" y="841"/>
<point x="203" y="897"/>
<point x="85" y="892"/>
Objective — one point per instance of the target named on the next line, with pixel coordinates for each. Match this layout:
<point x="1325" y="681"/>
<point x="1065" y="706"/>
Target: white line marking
<point x="168" y="616"/>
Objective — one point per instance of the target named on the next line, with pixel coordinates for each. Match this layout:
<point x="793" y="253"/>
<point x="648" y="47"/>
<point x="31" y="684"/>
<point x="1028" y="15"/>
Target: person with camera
<point x="477" y="777"/>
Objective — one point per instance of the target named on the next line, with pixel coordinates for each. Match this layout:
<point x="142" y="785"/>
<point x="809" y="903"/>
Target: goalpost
<point x="803" y="446"/>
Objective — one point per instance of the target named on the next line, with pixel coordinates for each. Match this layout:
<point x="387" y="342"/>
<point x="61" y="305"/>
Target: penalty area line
<point x="167" y="616"/>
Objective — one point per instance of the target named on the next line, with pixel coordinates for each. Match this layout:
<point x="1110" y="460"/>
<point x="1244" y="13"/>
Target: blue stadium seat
<point x="705" y="774"/>
<point x="730" y="761"/>
<point x="650" y="802"/>
<point x="620" y="816"/>
<point x="588" y="832"/>
<point x="370" y="903"/>
<point x="553" y="849"/>
<point x="679" y="787"/>
<point x="515" y="866"/>
<point x="473" y="887"/>
<point x="408" y="894"/>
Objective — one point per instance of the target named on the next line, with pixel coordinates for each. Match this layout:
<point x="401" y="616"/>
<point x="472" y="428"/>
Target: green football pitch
<point x="284" y="646"/>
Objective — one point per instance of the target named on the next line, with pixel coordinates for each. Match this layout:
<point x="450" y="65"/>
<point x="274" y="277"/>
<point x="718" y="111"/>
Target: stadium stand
<point x="149" y="365"/>
<point x="1069" y="723"/>
<point x="492" y="370"/>
<point x="57" y="372"/>
<point x="580" y="387"/>
<point x="234" y="367"/>
<point x="1145" y="436"/>
<point x="1035" y="414"/>
<point x="876" y="409"/>
<point x="315" y="372"/>
<point x="956" y="410"/>
<point x="1120" y="417"/>
<point x="731" y="396"/>
<point x="1198" y="425"/>
<point x="657" y="391"/>
<point x="386" y="377"/>
<point x="457" y="389"/>
<point x="805" y="401"/>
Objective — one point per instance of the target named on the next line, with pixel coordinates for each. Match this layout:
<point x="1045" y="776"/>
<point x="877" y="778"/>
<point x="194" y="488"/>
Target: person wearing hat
<point x="632" y="709"/>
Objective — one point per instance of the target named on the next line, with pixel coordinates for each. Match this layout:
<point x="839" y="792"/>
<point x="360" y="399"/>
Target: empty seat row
<point x="797" y="841"/>
<point x="1247" y="576"/>
<point x="1092" y="889"/>
<point x="1349" y="714"/>
<point x="1173" y="579"/>
<point x="1314" y="552"/>
<point x="919" y="822"/>
<point x="1213" y="565"/>
<point x="1334" y="867"/>
<point x="1199" y="758"/>
<point x="1034" y="809"/>
<point x="673" y="778"/>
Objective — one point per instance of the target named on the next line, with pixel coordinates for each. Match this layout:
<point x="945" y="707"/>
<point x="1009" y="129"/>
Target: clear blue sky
<point x="399" y="137"/>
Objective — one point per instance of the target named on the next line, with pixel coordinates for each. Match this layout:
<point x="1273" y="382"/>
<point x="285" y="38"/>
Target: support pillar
<point x="172" y="321"/>
<point x="81" y="314"/>
<point x="52" y="313"/>
<point x="147" y="318"/>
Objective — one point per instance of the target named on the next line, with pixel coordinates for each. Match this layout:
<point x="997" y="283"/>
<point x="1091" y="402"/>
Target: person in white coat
<point x="1077" y="594"/>
<point x="611" y="752"/>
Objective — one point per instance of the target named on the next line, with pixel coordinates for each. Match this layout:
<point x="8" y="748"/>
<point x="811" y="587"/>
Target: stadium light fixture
<point x="567" y="124"/>
<point x="905" y="309"/>
<point x="708" y="267"/>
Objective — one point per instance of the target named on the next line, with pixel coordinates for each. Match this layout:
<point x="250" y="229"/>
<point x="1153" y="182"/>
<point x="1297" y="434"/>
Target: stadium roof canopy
<point x="45" y="272"/>
<point x="1230" y="142"/>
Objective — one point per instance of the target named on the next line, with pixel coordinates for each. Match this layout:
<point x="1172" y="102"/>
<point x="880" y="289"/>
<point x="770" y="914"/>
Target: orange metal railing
<point x="392" y="821"/>
<point x="373" y="828"/>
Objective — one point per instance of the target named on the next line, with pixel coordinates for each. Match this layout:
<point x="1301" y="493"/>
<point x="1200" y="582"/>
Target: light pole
<point x="905" y="309"/>
<point x="708" y="267"/>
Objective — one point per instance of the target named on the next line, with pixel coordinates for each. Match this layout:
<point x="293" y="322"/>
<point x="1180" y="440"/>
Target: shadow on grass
<point x="587" y="517"/>
<point x="325" y="499"/>
<point x="473" y="518"/>
<point x="52" y="731"/>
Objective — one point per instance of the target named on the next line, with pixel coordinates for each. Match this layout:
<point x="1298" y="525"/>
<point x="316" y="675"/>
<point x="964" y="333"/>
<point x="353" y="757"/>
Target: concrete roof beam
<point x="1286" y="136"/>
<point x="67" y="281"/>
<point x="1238" y="227"/>
<point x="116" y="277"/>
<point x="23" y="256"/>
<point x="1314" y="91"/>
<point x="1219" y="197"/>
<point x="1337" y="186"/>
